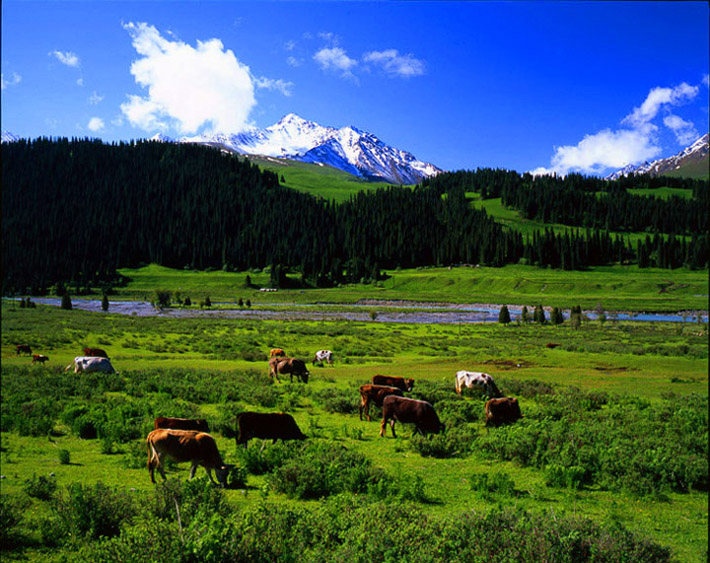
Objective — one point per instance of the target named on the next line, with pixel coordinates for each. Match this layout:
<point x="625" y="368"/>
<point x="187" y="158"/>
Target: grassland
<point x="211" y="367"/>
<point x="620" y="288"/>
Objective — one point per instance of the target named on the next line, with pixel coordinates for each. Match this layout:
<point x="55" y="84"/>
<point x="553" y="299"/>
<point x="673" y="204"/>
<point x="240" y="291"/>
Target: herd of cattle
<point x="186" y="440"/>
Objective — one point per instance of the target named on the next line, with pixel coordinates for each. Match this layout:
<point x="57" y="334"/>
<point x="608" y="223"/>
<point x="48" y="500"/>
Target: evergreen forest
<point x="74" y="211"/>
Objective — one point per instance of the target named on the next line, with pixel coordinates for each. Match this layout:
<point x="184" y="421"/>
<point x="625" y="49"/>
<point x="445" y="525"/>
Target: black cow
<point x="267" y="426"/>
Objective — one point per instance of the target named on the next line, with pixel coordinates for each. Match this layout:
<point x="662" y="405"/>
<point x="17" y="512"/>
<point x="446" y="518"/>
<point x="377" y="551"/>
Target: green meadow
<point x="616" y="288"/>
<point x="613" y="442"/>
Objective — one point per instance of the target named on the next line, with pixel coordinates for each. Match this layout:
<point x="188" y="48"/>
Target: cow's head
<point x="222" y="473"/>
<point x="304" y="376"/>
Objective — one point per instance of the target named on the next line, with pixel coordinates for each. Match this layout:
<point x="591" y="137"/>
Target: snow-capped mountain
<point x="693" y="153"/>
<point x="348" y="148"/>
<point x="8" y="137"/>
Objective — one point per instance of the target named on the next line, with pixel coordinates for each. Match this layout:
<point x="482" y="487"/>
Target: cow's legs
<point x="392" y="426"/>
<point x="209" y="474"/>
<point x="383" y="427"/>
<point x="193" y="469"/>
<point x="160" y="467"/>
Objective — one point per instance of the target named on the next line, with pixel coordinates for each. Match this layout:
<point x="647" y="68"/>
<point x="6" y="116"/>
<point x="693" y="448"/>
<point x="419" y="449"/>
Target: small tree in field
<point x="208" y="302"/>
<point x="248" y="302"/>
<point x="504" y="315"/>
<point x="556" y="316"/>
<point x="66" y="302"/>
<point x="525" y="315"/>
<point x="104" y="303"/>
<point x="188" y="301"/>
<point x="539" y="315"/>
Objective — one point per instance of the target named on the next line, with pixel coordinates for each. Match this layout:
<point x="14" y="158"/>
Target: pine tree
<point x="556" y="317"/>
<point x="66" y="302"/>
<point x="504" y="315"/>
<point x="104" y="303"/>
<point x="539" y="314"/>
<point x="525" y="315"/>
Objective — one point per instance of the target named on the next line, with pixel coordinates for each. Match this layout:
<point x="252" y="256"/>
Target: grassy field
<point x="322" y="181"/>
<point x="213" y="367"/>
<point x="621" y="288"/>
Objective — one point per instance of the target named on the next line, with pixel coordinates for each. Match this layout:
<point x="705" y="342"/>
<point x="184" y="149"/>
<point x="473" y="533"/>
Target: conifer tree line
<point x="590" y="202"/>
<point x="74" y="211"/>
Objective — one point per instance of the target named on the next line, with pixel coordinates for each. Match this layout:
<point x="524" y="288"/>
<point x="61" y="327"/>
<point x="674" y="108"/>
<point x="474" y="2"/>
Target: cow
<point x="267" y="426"/>
<point x="23" y="349"/>
<point x="199" y="448"/>
<point x="199" y="424"/>
<point x="290" y="366"/>
<point x="39" y="358"/>
<point x="370" y="393"/>
<point x="393" y="381"/>
<point x="276" y="353"/>
<point x="95" y="353"/>
<point x="91" y="365"/>
<point x="323" y="356"/>
<point x="502" y="410"/>
<point x="473" y="379"/>
<point x="403" y="409"/>
<point x="551" y="345"/>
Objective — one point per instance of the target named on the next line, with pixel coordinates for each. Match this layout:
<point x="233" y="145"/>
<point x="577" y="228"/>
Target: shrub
<point x="340" y="401"/>
<point x="565" y="477"/>
<point x="41" y="487"/>
<point x="11" y="511"/>
<point x="94" y="510"/>
<point x="262" y="458"/>
<point x="504" y="315"/>
<point x="66" y="302"/>
<point x="64" y="457"/>
<point x="455" y="442"/>
<point x="487" y="485"/>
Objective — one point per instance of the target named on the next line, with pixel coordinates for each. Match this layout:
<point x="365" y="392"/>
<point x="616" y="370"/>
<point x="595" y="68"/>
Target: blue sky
<point x="578" y="86"/>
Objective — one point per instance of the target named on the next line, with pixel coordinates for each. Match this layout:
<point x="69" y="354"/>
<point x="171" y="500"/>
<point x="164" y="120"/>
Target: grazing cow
<point x="393" y="381"/>
<point x="419" y="413"/>
<point x="95" y="352"/>
<point x="502" y="410"/>
<point x="276" y="353"/>
<point x="323" y="356"/>
<point x="290" y="366"/>
<point x="23" y="349"/>
<point x="198" y="448"/>
<point x="370" y="393"/>
<point x="199" y="424"/>
<point x="267" y="426"/>
<point x="91" y="365"/>
<point x="39" y="358"/>
<point x="473" y="379"/>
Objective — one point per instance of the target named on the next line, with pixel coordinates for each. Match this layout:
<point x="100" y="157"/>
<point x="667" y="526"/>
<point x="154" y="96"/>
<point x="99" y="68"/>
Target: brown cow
<point x="290" y="366"/>
<point x="39" y="358"/>
<point x="502" y="410"/>
<point x="198" y="448"/>
<point x="267" y="426"/>
<point x="23" y="349"/>
<point x="95" y="352"/>
<point x="393" y="381"/>
<point x="419" y="413"/>
<point x="199" y="424"/>
<point x="370" y="393"/>
<point x="552" y="345"/>
<point x="277" y="353"/>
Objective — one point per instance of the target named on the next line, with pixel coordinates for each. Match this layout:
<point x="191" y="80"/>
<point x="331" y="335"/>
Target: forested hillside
<point x="75" y="211"/>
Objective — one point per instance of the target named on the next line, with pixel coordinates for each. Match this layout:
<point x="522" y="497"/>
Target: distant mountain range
<point x="358" y="152"/>
<point x="691" y="156"/>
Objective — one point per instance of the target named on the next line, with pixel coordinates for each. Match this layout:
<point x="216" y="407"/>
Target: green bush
<point x="41" y="487"/>
<point x="342" y="401"/>
<point x="261" y="457"/>
<point x="488" y="485"/>
<point x="11" y="512"/>
<point x="560" y="477"/>
<point x="455" y="442"/>
<point x="64" y="457"/>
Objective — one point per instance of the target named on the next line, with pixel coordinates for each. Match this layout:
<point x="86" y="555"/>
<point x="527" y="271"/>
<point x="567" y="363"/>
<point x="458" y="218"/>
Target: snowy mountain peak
<point x="8" y="137"/>
<point x="349" y="148"/>
<point x="694" y="152"/>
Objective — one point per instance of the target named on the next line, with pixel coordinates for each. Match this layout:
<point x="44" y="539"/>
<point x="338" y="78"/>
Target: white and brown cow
<point x="91" y="364"/>
<point x="478" y="379"/>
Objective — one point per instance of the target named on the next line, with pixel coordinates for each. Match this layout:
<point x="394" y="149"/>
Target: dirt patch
<point x="508" y="364"/>
<point x="609" y="368"/>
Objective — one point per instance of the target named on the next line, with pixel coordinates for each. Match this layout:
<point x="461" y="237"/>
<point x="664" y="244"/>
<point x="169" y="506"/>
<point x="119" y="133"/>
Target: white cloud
<point x="394" y="64"/>
<point x="290" y="45"/>
<point x="271" y="84"/>
<point x="294" y="62"/>
<point x="335" y="59"/>
<point x="80" y="82"/>
<point x="684" y="131"/>
<point x="95" y="99"/>
<point x="66" y="58"/>
<point x="706" y="80"/>
<point x="188" y="87"/>
<point x="631" y="145"/>
<point x="657" y="98"/>
<point x="96" y="124"/>
<point x="16" y="79"/>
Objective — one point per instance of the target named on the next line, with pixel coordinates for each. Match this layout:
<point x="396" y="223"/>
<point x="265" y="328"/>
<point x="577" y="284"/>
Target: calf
<point x="392" y="381"/>
<point x="198" y="448"/>
<point x="23" y="349"/>
<point x="95" y="352"/>
<point x="267" y="426"/>
<point x="39" y="358"/>
<point x="419" y="413"/>
<point x="276" y="353"/>
<point x="502" y="410"/>
<point x="370" y="393"/>
<point x="199" y="424"/>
